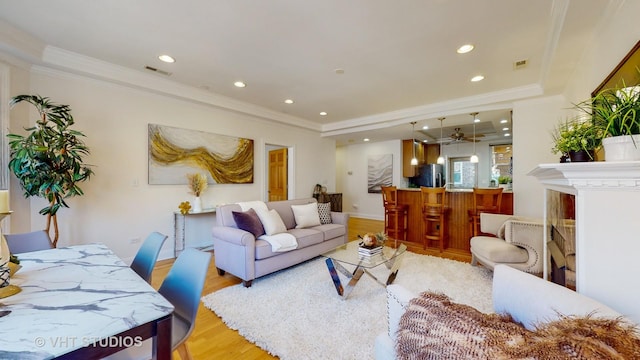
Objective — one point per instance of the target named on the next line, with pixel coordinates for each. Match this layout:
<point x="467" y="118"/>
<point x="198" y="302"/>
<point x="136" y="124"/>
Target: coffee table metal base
<point x="334" y="266"/>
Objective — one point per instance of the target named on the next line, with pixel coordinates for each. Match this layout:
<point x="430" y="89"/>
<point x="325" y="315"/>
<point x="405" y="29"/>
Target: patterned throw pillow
<point x="324" y="210"/>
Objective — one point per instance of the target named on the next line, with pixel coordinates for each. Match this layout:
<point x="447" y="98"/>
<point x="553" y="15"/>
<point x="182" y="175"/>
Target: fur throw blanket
<point x="433" y="327"/>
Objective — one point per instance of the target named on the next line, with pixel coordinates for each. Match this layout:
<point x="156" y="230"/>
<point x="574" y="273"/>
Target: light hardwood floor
<point x="211" y="338"/>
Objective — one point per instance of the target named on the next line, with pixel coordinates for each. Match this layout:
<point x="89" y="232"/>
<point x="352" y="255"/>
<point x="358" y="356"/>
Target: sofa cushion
<point x="498" y="250"/>
<point x="249" y="221"/>
<point x="306" y="215"/>
<point x="331" y="231"/>
<point x="307" y="237"/>
<point x="271" y="222"/>
<point x="324" y="210"/>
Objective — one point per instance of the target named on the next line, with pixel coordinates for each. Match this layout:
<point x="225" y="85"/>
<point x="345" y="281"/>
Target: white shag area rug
<point x="296" y="313"/>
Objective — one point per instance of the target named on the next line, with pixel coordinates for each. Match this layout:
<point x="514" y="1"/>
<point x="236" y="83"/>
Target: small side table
<point x="181" y="223"/>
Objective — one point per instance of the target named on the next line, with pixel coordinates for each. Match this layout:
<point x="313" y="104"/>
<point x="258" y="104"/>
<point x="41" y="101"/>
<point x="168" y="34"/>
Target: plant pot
<point x="582" y="155"/>
<point x="621" y="148"/>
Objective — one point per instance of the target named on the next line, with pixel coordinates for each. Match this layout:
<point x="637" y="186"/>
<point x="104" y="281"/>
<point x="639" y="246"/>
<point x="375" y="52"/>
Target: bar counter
<point x="459" y="201"/>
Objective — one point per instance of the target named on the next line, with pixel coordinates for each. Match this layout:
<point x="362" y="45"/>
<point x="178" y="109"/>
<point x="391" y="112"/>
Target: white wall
<point x="533" y="122"/>
<point x="353" y="169"/>
<point x="118" y="204"/>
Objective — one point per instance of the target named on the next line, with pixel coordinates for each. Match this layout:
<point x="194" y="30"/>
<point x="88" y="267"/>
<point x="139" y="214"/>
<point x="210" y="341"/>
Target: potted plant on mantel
<point x="48" y="161"/>
<point x="577" y="139"/>
<point x="617" y="112"/>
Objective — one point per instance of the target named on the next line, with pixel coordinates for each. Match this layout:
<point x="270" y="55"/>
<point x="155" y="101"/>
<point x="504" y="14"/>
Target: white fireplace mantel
<point x="596" y="175"/>
<point x="607" y="204"/>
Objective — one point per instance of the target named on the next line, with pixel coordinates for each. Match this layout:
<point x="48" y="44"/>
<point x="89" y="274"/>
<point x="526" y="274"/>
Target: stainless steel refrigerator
<point x="430" y="175"/>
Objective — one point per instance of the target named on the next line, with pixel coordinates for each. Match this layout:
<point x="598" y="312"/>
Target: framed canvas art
<point x="176" y="152"/>
<point x="379" y="172"/>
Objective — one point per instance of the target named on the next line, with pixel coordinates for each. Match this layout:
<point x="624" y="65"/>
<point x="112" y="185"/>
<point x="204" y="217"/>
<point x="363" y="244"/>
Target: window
<point x="462" y="173"/>
<point x="501" y="162"/>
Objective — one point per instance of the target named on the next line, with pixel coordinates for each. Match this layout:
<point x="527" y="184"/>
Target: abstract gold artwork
<point x="175" y="152"/>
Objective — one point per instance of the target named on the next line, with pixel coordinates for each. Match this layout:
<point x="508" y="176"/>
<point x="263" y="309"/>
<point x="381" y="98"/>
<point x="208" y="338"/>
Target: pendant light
<point x="474" y="158"/>
<point x="440" y="158"/>
<point x="414" y="160"/>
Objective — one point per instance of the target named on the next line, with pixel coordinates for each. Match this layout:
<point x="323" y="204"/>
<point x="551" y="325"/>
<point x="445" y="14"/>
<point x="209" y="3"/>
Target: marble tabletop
<point x="72" y="297"/>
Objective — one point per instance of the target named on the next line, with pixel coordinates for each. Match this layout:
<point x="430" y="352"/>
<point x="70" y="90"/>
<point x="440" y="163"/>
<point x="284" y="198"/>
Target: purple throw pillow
<point x="249" y="221"/>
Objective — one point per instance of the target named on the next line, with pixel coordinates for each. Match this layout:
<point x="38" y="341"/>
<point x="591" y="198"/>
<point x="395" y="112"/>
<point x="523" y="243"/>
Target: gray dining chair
<point x="183" y="288"/>
<point x="146" y="257"/>
<point x="26" y="242"/>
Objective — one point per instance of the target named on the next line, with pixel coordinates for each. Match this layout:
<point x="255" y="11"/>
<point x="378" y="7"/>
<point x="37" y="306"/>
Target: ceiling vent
<point x="150" y="68"/>
<point x="520" y="64"/>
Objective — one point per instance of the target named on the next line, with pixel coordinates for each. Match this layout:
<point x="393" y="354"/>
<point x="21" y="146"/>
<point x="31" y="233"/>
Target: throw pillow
<point x="272" y="222"/>
<point x="324" y="210"/>
<point x="306" y="215"/>
<point x="249" y="221"/>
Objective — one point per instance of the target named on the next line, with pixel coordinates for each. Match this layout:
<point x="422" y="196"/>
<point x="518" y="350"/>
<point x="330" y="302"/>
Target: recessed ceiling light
<point x="288" y="101"/>
<point x="477" y="78"/>
<point x="239" y="84"/>
<point x="425" y="127"/>
<point x="503" y="121"/>
<point x="464" y="49"/>
<point x="425" y="140"/>
<point x="507" y="134"/>
<point x="323" y="113"/>
<point x="476" y="120"/>
<point x="365" y="139"/>
<point x="505" y="128"/>
<point x="166" y="58"/>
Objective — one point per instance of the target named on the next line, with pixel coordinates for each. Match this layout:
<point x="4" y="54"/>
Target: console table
<point x="606" y="224"/>
<point x="193" y="229"/>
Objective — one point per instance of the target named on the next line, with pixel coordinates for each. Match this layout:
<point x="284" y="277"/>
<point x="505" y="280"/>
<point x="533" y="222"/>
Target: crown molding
<point x="484" y="102"/>
<point x="67" y="61"/>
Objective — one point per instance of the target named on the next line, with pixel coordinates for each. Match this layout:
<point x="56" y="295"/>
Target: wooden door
<point x="278" y="174"/>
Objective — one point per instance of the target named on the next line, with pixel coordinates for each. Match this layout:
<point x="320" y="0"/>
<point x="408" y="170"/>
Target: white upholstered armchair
<point x="518" y="242"/>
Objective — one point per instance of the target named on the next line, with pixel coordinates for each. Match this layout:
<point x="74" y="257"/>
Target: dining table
<point x="81" y="302"/>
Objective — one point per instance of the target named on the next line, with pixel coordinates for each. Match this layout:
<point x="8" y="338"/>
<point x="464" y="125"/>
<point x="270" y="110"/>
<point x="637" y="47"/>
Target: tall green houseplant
<point x="48" y="161"/>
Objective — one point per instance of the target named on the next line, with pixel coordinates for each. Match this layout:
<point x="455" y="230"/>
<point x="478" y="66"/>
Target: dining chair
<point x="145" y="259"/>
<point x="183" y="288"/>
<point x="26" y="242"/>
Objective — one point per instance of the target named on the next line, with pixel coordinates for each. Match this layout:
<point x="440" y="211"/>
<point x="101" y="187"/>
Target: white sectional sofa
<point x="527" y="298"/>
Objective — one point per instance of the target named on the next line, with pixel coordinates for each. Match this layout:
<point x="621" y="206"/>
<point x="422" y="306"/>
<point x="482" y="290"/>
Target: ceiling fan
<point x="458" y="136"/>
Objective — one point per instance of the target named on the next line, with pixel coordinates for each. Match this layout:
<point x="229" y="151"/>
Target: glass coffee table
<point x="348" y="254"/>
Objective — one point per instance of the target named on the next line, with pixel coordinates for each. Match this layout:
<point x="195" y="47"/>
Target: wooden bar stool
<point x="395" y="215"/>
<point x="484" y="200"/>
<point x="434" y="215"/>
